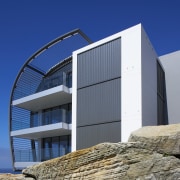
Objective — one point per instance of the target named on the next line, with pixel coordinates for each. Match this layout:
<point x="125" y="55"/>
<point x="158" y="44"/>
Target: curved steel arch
<point x="36" y="54"/>
<point x="47" y="46"/>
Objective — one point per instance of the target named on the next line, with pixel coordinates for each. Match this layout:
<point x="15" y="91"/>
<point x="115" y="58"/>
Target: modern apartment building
<point x="72" y="94"/>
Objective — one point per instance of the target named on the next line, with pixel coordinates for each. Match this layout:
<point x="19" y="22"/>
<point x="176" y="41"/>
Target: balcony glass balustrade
<point x="44" y="154"/>
<point x="51" y="116"/>
<point x="52" y="147"/>
<point x="58" y="78"/>
<point x="60" y="114"/>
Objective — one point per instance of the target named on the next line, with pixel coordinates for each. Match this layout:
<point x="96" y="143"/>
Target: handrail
<point x="18" y="125"/>
<point x="32" y="155"/>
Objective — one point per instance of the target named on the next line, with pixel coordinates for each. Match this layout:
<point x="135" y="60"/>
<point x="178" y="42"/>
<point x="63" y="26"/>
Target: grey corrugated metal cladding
<point x="91" y="135"/>
<point x="99" y="103"/>
<point x="99" y="64"/>
<point x="99" y="95"/>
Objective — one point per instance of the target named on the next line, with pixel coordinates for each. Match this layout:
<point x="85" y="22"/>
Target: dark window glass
<point x="34" y="119"/>
<point x="161" y="96"/>
<point x="47" y="117"/>
<point x="55" y="146"/>
<point x="69" y="79"/>
<point x="56" y="115"/>
<point x="69" y="114"/>
<point x="47" y="148"/>
<point x="56" y="79"/>
<point x="63" y="145"/>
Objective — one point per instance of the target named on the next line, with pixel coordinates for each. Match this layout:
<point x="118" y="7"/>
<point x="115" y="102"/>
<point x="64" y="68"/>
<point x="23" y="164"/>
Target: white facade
<point x="138" y="81"/>
<point x="171" y="65"/>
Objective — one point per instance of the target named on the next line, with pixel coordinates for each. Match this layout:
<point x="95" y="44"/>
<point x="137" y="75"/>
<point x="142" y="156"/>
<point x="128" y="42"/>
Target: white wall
<point x="131" y="112"/>
<point x="149" y="82"/>
<point x="74" y="101"/>
<point x="133" y="94"/>
<point x="139" y="82"/>
<point x="171" y="65"/>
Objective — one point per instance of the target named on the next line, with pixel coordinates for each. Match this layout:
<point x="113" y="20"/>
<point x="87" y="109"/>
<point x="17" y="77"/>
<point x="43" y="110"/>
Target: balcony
<point x="57" y="129"/>
<point x="43" y="154"/>
<point x="28" y="157"/>
<point x="45" y="99"/>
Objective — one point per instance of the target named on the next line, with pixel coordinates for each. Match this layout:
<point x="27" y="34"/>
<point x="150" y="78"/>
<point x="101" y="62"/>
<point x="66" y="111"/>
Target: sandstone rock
<point x="14" y="177"/>
<point x="163" y="139"/>
<point x="126" y="161"/>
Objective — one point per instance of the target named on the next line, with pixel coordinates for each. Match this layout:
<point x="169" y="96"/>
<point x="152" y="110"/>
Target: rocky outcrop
<point x="152" y="154"/>
<point x="109" y="161"/>
<point x="163" y="139"/>
<point x="14" y="177"/>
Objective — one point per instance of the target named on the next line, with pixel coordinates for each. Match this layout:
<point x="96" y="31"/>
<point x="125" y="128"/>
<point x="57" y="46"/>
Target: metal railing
<point x="59" y="78"/>
<point x="64" y="117"/>
<point x="49" y="153"/>
<point x="30" y="155"/>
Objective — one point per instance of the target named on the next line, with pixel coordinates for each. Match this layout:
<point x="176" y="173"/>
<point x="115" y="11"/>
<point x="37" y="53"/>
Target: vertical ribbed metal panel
<point x="99" y="64"/>
<point x="99" y="95"/>
<point x="92" y="135"/>
<point x="99" y="103"/>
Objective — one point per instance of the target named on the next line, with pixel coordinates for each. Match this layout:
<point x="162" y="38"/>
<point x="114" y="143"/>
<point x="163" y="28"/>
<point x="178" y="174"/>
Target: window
<point x="34" y="119"/>
<point x="69" y="114"/>
<point x="47" y="148"/>
<point x="53" y="115"/>
<point x="161" y="96"/>
<point x="55" y="146"/>
<point x="56" y="115"/>
<point x="56" y="79"/>
<point x="69" y="79"/>
<point x="47" y="117"/>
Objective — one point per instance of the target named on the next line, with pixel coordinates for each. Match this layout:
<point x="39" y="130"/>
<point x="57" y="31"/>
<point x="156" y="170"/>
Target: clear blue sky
<point x="26" y="25"/>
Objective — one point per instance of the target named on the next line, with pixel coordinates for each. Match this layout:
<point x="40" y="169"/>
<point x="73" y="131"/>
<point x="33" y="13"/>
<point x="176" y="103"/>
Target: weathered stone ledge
<point x="109" y="161"/>
<point x="14" y="177"/>
<point x="163" y="139"/>
<point x="151" y="154"/>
